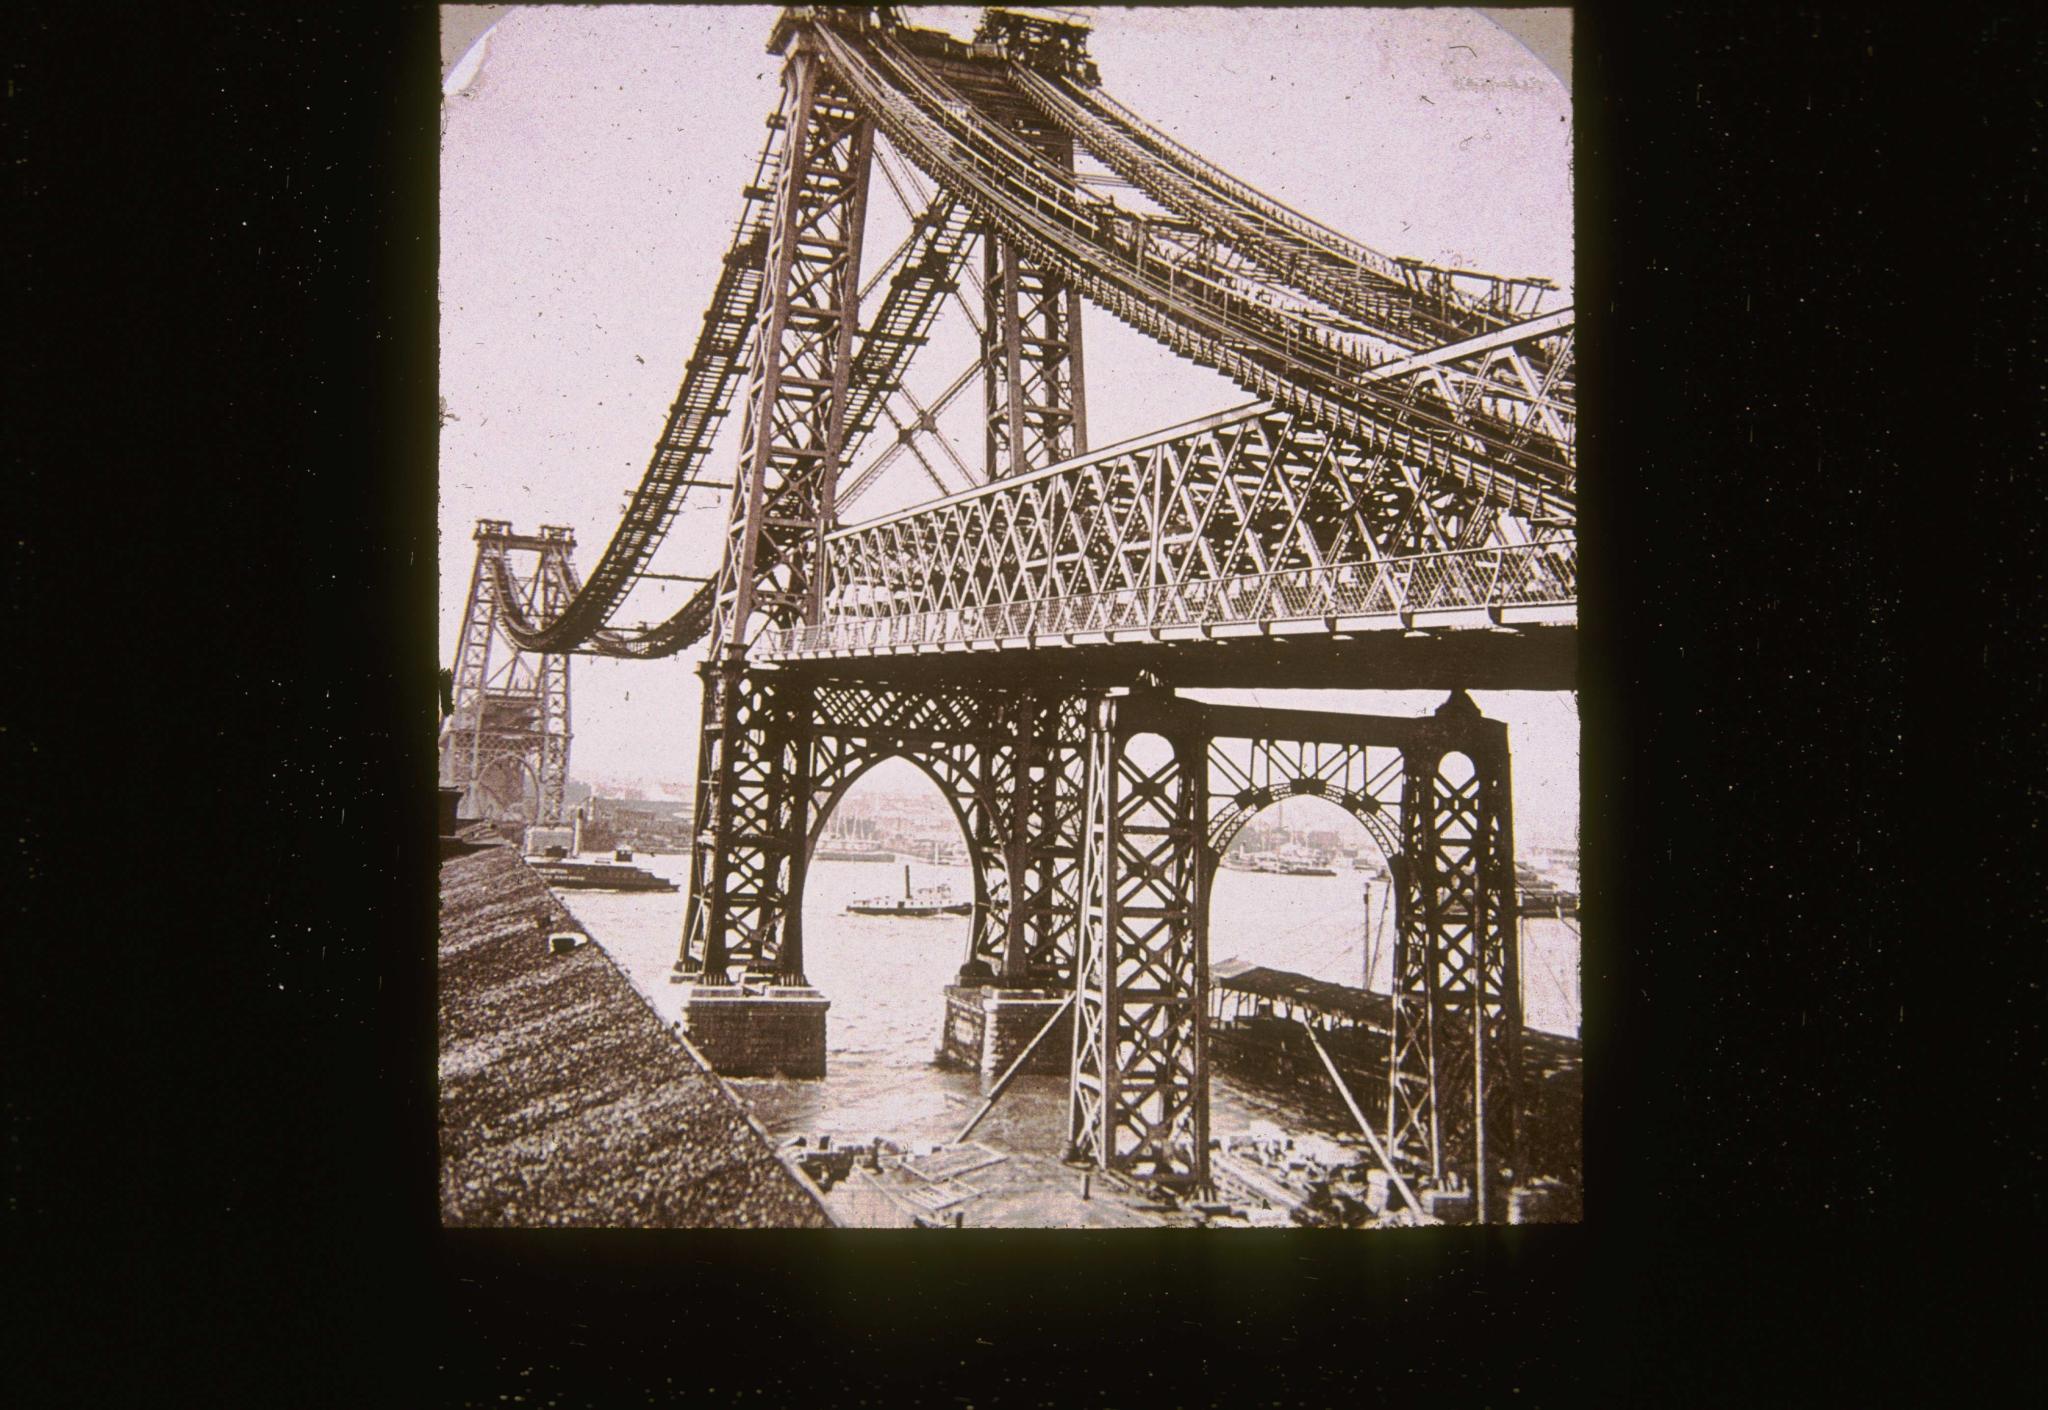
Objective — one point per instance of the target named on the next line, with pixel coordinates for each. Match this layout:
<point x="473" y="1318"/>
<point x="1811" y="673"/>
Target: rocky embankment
<point x="564" y="1099"/>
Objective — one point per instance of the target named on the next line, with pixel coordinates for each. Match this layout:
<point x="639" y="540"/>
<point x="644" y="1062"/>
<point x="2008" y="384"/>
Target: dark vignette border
<point x="219" y="1109"/>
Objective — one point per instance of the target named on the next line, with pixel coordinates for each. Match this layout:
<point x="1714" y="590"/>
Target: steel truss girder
<point x="1008" y="763"/>
<point x="1253" y="515"/>
<point x="514" y="713"/>
<point x="1160" y="812"/>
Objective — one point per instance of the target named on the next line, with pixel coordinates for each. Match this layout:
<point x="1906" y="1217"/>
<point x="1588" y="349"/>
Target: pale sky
<point x="592" y="160"/>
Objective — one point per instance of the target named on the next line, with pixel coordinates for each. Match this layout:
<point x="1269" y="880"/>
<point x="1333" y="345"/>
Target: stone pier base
<point x="757" y="1031"/>
<point x="987" y="1027"/>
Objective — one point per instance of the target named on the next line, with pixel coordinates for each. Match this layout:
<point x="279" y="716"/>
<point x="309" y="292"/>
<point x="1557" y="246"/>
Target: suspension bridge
<point x="1391" y="506"/>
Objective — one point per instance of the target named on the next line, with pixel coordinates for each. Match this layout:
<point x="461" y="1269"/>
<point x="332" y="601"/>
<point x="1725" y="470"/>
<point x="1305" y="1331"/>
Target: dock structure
<point x="565" y="1100"/>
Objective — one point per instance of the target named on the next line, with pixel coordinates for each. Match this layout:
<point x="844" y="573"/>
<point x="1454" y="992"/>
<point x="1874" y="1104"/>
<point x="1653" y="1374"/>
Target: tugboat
<point x="568" y="874"/>
<point x="925" y="901"/>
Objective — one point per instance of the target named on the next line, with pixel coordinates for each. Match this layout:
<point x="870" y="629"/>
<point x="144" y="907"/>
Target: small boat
<point x="925" y="901"/>
<point x="1536" y="896"/>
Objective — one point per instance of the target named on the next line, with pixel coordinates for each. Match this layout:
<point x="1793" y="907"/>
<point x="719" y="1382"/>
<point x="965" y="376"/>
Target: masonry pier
<point x="758" y="1030"/>
<point x="987" y="1027"/>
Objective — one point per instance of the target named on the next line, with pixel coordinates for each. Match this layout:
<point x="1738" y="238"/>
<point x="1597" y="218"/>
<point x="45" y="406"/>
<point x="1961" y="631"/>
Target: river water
<point x="886" y="977"/>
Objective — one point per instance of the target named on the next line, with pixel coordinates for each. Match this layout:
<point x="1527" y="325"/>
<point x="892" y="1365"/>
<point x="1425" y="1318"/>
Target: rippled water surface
<point x="886" y="978"/>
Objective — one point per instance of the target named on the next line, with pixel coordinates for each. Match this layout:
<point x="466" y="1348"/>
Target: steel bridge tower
<point x="506" y="743"/>
<point x="1395" y="511"/>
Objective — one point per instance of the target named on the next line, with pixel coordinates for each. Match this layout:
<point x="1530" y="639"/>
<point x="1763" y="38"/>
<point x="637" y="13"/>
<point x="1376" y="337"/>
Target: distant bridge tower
<point x="507" y="741"/>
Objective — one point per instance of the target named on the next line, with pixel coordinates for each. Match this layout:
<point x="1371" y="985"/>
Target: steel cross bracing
<point x="792" y="439"/>
<point x="1095" y="825"/>
<point x="1254" y="519"/>
<point x="1008" y="762"/>
<point x="748" y="853"/>
<point x="1452" y="376"/>
<point x="1169" y="782"/>
<point x="1035" y="404"/>
<point x="1451" y="1097"/>
<point x="1036" y="409"/>
<point x="509" y="730"/>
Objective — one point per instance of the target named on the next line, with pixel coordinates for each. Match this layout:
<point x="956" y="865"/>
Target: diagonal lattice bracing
<point x="1173" y="294"/>
<point x="1139" y="1101"/>
<point x="507" y="736"/>
<point x="1250" y="518"/>
<point x="749" y="838"/>
<point x="1168" y="784"/>
<point x="1007" y="763"/>
<point x="749" y="843"/>
<point x="792" y="439"/>
<point x="1035" y="409"/>
<point x="1457" y="1006"/>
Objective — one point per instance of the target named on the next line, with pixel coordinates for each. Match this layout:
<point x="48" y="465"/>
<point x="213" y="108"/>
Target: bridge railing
<point x="1393" y="589"/>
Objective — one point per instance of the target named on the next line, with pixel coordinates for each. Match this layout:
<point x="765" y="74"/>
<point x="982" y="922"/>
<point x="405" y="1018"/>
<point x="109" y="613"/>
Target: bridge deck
<point x="1531" y="657"/>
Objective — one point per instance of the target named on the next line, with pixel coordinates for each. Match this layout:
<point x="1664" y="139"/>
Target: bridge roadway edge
<point x="1542" y="658"/>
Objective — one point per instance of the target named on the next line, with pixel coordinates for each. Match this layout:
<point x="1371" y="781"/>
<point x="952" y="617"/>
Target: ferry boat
<point x="1287" y="862"/>
<point x="567" y="875"/>
<point x="851" y="849"/>
<point x="924" y="901"/>
<point x="1299" y="863"/>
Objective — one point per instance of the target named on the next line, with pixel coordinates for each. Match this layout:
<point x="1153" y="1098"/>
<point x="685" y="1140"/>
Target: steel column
<point x="1139" y="1101"/>
<point x="753" y="795"/>
<point x="1452" y="1077"/>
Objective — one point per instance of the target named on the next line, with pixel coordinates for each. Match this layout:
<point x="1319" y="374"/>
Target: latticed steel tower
<point x="506" y="743"/>
<point x="1396" y="510"/>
